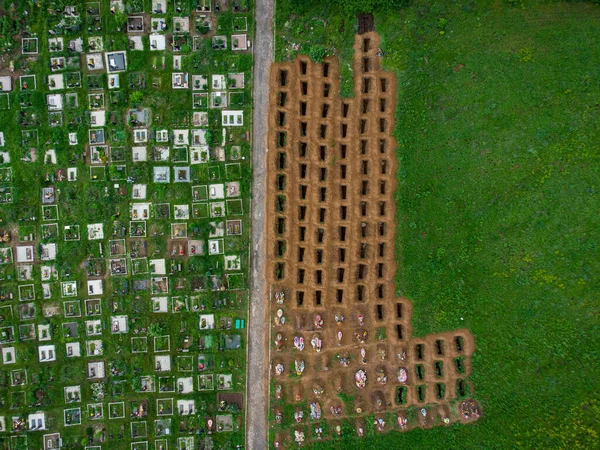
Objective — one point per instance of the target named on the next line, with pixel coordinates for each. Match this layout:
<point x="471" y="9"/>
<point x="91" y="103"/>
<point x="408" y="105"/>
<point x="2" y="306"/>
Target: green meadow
<point x="497" y="202"/>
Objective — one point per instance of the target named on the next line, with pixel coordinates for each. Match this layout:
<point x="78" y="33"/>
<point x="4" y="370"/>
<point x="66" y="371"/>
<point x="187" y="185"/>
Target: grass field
<point x="497" y="206"/>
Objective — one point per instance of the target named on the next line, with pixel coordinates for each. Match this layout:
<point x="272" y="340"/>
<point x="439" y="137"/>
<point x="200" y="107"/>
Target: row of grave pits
<point x="428" y="416"/>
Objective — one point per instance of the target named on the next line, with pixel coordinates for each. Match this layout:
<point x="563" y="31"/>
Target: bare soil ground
<point x="331" y="262"/>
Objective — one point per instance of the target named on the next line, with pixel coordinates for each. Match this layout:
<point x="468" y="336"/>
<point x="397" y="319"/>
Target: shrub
<point x="316" y="53"/>
<point x="136" y="98"/>
<point x="369" y="6"/>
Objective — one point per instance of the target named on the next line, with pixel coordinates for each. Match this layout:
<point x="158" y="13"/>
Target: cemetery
<point x="123" y="287"/>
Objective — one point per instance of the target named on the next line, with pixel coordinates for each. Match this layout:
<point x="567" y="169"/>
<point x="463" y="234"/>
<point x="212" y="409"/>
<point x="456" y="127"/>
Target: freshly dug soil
<point x="331" y="213"/>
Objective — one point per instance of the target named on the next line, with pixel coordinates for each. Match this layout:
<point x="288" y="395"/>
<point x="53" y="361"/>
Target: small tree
<point x="156" y="329"/>
<point x="317" y="53"/>
<point x="136" y="98"/>
<point x="210" y="137"/>
<point x="120" y="19"/>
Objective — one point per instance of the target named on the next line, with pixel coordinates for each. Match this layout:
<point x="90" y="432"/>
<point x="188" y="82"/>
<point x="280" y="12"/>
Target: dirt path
<point x="258" y="369"/>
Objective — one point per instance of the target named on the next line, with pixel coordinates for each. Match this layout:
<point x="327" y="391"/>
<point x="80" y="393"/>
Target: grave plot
<point x="342" y="344"/>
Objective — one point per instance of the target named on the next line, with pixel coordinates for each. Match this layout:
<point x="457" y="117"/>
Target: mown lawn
<point x="498" y="202"/>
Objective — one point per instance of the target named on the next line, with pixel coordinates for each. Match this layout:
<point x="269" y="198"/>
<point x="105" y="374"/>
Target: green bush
<point x="316" y="52"/>
<point x="136" y="97"/>
<point x="359" y="6"/>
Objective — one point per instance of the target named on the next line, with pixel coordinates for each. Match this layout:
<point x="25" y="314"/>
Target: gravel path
<point x="257" y="387"/>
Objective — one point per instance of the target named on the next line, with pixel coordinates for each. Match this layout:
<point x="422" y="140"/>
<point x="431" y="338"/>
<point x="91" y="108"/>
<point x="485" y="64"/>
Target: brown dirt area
<point x="330" y="246"/>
